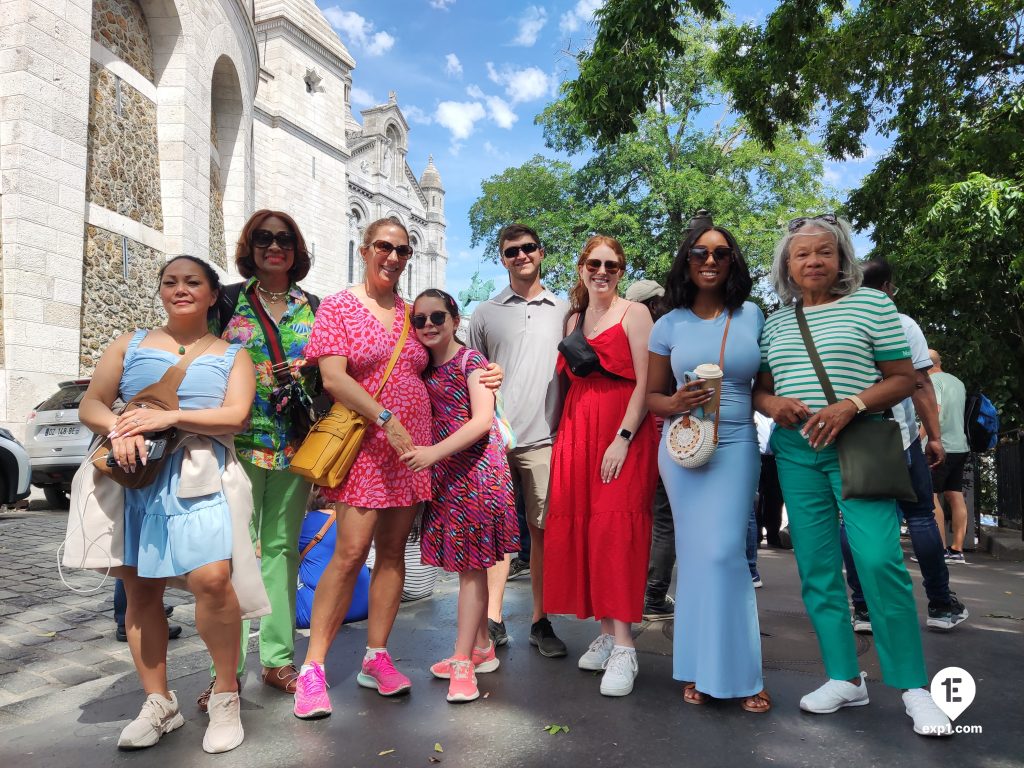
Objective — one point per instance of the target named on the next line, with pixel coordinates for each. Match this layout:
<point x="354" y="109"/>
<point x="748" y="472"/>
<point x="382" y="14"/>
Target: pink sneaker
<point x="311" y="700"/>
<point x="380" y="673"/>
<point x="462" y="685"/>
<point x="484" y="660"/>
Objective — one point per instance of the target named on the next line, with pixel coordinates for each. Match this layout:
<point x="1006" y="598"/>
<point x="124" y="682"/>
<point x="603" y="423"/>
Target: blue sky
<point x="471" y="76"/>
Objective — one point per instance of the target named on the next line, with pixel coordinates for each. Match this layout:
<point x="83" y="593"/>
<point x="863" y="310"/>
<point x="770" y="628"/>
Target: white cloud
<point x="452" y="65"/>
<point x="459" y="117"/>
<point x="581" y="15"/>
<point x="358" y="30"/>
<point x="522" y="84"/>
<point x="416" y="115"/>
<point x="441" y="5"/>
<point x="497" y="108"/>
<point x="531" y="23"/>
<point x="362" y="98"/>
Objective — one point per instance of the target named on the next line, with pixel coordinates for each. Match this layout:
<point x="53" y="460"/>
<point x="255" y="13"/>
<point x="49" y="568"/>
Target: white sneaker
<point x="619" y="672"/>
<point x="929" y="720"/>
<point x="834" y="695"/>
<point x="224" y="732"/>
<point x="158" y="716"/>
<point x="597" y="654"/>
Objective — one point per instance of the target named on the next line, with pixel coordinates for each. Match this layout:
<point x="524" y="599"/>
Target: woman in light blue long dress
<point x="717" y="646"/>
<point x="167" y="533"/>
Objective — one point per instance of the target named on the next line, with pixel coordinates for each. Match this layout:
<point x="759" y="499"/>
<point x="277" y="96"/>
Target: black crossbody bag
<point x="579" y="355"/>
<point x="872" y="463"/>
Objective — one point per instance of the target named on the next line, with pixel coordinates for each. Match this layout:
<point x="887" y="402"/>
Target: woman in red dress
<point x="603" y="467"/>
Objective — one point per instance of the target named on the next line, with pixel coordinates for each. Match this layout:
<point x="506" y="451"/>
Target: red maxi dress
<point x="597" y="537"/>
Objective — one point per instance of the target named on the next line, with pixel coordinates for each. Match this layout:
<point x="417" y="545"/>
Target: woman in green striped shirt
<point x="865" y="353"/>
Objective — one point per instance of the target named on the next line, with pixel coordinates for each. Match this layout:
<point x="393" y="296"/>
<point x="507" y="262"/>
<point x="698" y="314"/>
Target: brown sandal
<point x="692" y="696"/>
<point x="752" y="703"/>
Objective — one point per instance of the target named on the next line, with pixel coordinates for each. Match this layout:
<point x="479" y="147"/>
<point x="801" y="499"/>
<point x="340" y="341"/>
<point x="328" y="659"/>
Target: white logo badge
<point x="953" y="691"/>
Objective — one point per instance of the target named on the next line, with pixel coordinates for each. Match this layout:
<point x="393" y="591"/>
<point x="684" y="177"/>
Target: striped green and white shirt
<point x="851" y="335"/>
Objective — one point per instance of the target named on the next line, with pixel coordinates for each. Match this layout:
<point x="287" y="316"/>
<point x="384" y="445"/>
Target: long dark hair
<point x="579" y="297"/>
<point x="244" y="261"/>
<point x="680" y="290"/>
<point x="208" y="271"/>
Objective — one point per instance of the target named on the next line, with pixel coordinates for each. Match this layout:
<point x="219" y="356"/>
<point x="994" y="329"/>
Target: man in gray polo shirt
<point x="519" y="329"/>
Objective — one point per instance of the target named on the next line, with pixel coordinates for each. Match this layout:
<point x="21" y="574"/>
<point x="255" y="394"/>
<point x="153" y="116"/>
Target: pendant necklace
<point x="273" y="297"/>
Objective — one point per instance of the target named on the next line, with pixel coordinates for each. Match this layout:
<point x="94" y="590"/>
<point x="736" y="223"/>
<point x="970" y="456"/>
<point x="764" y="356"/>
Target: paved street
<point x="67" y="686"/>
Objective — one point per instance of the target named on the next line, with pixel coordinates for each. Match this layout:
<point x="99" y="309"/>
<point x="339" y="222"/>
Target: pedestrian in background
<point x="948" y="477"/>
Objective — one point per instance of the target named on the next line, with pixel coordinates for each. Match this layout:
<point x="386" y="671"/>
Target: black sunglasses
<point x="699" y="254"/>
<point x="419" y="322"/>
<point x="513" y="250"/>
<point x="384" y="248"/>
<point x="262" y="238"/>
<point x="611" y="267"/>
<point x="828" y="218"/>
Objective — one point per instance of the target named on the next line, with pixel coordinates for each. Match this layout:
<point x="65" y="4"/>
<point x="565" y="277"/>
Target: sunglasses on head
<point x="262" y="238"/>
<point x="828" y="218"/>
<point x="699" y="254"/>
<point x="611" y="267"/>
<point x="513" y="250"/>
<point x="419" y="321"/>
<point x="384" y="248"/>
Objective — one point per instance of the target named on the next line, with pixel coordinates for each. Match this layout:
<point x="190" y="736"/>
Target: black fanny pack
<point x="580" y="356"/>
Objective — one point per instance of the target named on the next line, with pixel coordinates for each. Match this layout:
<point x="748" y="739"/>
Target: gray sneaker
<point x="597" y="654"/>
<point x="157" y="717"/>
<point x="542" y="635"/>
<point x="497" y="632"/>
<point x="948" y="616"/>
<point x="619" y="673"/>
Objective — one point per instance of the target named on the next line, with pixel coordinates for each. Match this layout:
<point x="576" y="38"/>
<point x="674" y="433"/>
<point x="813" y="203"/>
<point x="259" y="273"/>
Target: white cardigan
<point x="95" y="533"/>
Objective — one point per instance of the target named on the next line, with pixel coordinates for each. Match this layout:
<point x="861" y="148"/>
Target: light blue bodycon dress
<point x="717" y="638"/>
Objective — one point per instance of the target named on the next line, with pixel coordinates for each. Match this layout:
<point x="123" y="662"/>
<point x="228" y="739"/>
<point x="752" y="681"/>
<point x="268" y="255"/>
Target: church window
<point x="351" y="262"/>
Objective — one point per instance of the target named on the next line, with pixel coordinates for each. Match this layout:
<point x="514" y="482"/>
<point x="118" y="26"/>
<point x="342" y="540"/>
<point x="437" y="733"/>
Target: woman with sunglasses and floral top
<point x="272" y="317"/>
<point x="355" y="334"/>
<point x="603" y="470"/>
<point x="717" y="644"/>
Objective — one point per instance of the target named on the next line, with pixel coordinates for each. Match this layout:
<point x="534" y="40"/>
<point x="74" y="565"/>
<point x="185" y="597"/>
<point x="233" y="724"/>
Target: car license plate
<point x="66" y="431"/>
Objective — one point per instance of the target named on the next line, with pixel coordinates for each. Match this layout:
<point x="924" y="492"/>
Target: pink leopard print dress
<point x="378" y="480"/>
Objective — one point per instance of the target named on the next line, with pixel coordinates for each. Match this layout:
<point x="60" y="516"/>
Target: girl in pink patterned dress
<point x="354" y="335"/>
<point x="470" y="525"/>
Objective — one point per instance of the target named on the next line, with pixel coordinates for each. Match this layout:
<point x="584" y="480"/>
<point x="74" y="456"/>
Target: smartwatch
<point x="625" y="434"/>
<point x="383" y="418"/>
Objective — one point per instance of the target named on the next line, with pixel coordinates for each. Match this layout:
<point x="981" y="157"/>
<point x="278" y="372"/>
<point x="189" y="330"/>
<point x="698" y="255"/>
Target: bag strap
<point x="721" y="367"/>
<point x="272" y="335"/>
<point x="320" y="534"/>
<point x="395" y="354"/>
<point x="812" y="352"/>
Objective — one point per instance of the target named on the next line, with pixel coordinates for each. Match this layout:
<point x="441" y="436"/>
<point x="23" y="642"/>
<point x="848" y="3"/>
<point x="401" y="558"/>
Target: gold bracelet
<point x="857" y="402"/>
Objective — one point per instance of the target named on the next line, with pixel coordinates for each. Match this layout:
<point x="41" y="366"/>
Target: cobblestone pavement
<point x="67" y="686"/>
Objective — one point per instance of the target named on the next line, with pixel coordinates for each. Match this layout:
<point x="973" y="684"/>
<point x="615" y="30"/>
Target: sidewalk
<point x="67" y="687"/>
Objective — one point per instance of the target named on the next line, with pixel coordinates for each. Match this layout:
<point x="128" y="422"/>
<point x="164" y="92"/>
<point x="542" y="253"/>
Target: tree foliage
<point x="941" y="79"/>
<point x="688" y="152"/>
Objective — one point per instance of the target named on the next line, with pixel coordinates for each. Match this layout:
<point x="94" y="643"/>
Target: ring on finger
<point x="821" y="425"/>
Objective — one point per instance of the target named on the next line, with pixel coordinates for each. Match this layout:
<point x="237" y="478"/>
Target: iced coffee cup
<point x="711" y="376"/>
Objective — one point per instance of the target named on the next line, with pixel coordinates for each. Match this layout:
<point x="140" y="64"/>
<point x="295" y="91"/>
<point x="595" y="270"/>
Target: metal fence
<point x="1010" y="478"/>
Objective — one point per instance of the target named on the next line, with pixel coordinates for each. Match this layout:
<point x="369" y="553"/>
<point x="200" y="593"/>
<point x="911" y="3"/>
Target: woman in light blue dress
<point x="166" y="535"/>
<point x="717" y="646"/>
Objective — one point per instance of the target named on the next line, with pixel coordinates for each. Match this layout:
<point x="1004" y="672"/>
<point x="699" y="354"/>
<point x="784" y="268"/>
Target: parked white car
<point x="57" y="441"/>
<point x="15" y="470"/>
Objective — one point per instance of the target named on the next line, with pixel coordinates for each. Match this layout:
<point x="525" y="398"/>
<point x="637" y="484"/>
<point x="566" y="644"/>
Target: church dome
<point x="430" y="177"/>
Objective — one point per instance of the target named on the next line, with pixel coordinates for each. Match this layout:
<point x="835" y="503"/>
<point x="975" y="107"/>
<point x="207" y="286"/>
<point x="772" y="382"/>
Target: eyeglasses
<point x="262" y="238"/>
<point x="419" y="322"/>
<point x="893" y="289"/>
<point x="384" y="248"/>
<point x="828" y="218"/>
<point x="699" y="254"/>
<point x="513" y="250"/>
<point x="611" y="267"/>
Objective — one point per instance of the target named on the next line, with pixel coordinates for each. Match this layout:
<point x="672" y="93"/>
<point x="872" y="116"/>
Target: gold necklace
<point x="274" y="297"/>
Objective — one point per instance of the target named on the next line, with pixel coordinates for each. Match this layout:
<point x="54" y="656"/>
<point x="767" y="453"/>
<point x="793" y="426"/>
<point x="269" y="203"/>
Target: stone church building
<point x="136" y="130"/>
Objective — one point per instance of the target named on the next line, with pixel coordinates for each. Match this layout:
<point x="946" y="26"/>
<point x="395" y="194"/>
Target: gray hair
<point x="851" y="275"/>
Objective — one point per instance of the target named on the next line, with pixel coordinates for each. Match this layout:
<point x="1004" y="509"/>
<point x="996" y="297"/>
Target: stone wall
<point x="120" y="27"/>
<point x="218" y="249"/>
<point x="123" y="166"/>
<point x="112" y="305"/>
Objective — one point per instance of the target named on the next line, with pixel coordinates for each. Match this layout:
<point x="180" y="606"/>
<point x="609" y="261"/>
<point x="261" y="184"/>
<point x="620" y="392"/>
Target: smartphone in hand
<point x="154" y="450"/>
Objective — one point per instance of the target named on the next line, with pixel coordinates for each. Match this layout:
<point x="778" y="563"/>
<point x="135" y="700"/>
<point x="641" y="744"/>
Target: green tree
<point x="643" y="187"/>
<point x="941" y="79"/>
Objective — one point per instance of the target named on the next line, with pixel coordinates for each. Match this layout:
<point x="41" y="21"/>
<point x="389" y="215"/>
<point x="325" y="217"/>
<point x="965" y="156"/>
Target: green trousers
<point x="811" y="486"/>
<point x="279" y="499"/>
